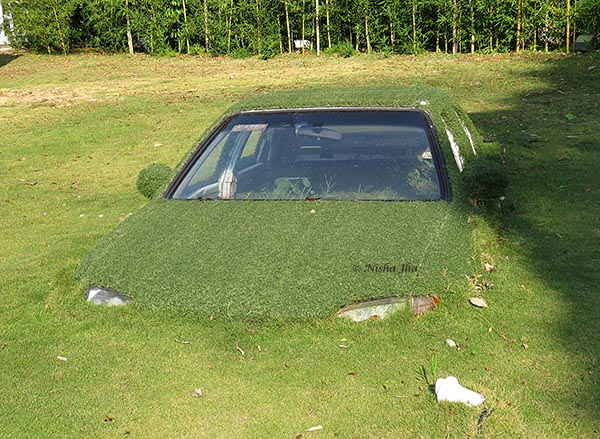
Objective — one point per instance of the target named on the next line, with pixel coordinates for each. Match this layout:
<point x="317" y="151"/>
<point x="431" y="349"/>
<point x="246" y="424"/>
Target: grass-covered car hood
<point x="279" y="258"/>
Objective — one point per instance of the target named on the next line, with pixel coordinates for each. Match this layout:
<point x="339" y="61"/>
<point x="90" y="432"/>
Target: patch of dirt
<point x="52" y="97"/>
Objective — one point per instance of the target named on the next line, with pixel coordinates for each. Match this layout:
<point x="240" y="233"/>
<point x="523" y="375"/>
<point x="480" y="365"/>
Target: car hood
<point x="287" y="259"/>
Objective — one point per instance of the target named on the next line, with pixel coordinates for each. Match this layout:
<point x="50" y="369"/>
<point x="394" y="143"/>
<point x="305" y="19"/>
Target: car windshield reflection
<point x="347" y="154"/>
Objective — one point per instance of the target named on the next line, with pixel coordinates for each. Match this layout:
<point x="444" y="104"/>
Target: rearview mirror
<point x="152" y="180"/>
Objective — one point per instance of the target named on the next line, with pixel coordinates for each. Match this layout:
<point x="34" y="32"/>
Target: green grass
<point x="77" y="130"/>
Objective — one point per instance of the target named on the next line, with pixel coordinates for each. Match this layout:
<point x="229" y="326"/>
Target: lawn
<point x="76" y="131"/>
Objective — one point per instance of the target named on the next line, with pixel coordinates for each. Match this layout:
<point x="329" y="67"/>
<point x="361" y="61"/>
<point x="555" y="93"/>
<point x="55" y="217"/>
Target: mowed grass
<point x="75" y="131"/>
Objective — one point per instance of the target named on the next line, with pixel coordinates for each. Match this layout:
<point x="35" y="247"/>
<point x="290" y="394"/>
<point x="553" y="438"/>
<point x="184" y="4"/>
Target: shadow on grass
<point x="551" y="148"/>
<point x="6" y="58"/>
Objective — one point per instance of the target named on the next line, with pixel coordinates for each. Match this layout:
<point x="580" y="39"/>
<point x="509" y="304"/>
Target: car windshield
<point x="347" y="154"/>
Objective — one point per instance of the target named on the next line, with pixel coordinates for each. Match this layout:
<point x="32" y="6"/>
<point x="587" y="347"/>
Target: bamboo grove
<point x="269" y="27"/>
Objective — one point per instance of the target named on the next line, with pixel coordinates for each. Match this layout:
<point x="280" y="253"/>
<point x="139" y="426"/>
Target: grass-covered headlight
<point x="106" y="296"/>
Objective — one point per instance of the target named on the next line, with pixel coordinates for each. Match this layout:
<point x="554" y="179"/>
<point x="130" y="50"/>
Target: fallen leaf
<point x="315" y="428"/>
<point x="108" y="419"/>
<point x="61" y="358"/>
<point x="525" y="346"/>
<point x="489" y="267"/>
<point x="343" y="346"/>
<point x="570" y="116"/>
<point x="353" y="373"/>
<point x="212" y="317"/>
<point x="478" y="302"/>
<point x="31" y="183"/>
<point x="197" y="393"/>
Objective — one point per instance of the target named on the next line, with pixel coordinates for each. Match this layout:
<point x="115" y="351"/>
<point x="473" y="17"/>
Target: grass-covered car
<point x="297" y="203"/>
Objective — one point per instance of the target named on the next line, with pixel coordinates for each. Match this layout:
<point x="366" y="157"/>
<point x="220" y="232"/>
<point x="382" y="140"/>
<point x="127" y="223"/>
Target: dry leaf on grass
<point x="478" y="302"/>
<point x="489" y="267"/>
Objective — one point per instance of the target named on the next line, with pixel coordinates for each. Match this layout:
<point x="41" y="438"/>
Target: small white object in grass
<point x="450" y="342"/>
<point x="423" y="103"/>
<point x="62" y="358"/>
<point x="197" y="393"/>
<point x="313" y="211"/>
<point x="449" y="389"/>
<point x="81" y="215"/>
<point x="315" y="428"/>
<point x="478" y="302"/>
<point x="100" y="215"/>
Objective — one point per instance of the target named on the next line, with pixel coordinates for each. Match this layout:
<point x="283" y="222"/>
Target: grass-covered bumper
<point x="281" y="259"/>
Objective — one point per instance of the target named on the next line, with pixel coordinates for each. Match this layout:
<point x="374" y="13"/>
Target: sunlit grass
<point x="68" y="168"/>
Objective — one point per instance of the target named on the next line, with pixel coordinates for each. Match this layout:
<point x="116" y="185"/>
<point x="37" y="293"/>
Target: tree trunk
<point x="472" y="13"/>
<point x="392" y="36"/>
<point x="187" y="39"/>
<point x="414" y="27"/>
<point x="454" y="28"/>
<point x="518" y="26"/>
<point x="367" y="35"/>
<point x="568" y="39"/>
<point x="258" y="27"/>
<point x="287" y="25"/>
<point x="205" y="13"/>
<point x="129" y="36"/>
<point x="229" y="20"/>
<point x="328" y="24"/>
<point x="303" y="25"/>
<point x="574" y="31"/>
<point x="318" y="36"/>
<point x="546" y="27"/>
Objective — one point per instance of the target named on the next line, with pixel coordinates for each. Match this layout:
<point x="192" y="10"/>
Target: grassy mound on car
<point x="293" y="259"/>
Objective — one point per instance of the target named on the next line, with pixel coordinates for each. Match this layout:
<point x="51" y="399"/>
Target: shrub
<point x="484" y="179"/>
<point x="343" y="49"/>
<point x="153" y="179"/>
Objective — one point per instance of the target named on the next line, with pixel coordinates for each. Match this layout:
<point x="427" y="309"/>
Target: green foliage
<point x="421" y="179"/>
<point x="485" y="179"/>
<point x="43" y="25"/>
<point x="343" y="49"/>
<point x="153" y="179"/>
<point x="260" y="26"/>
<point x="588" y="15"/>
